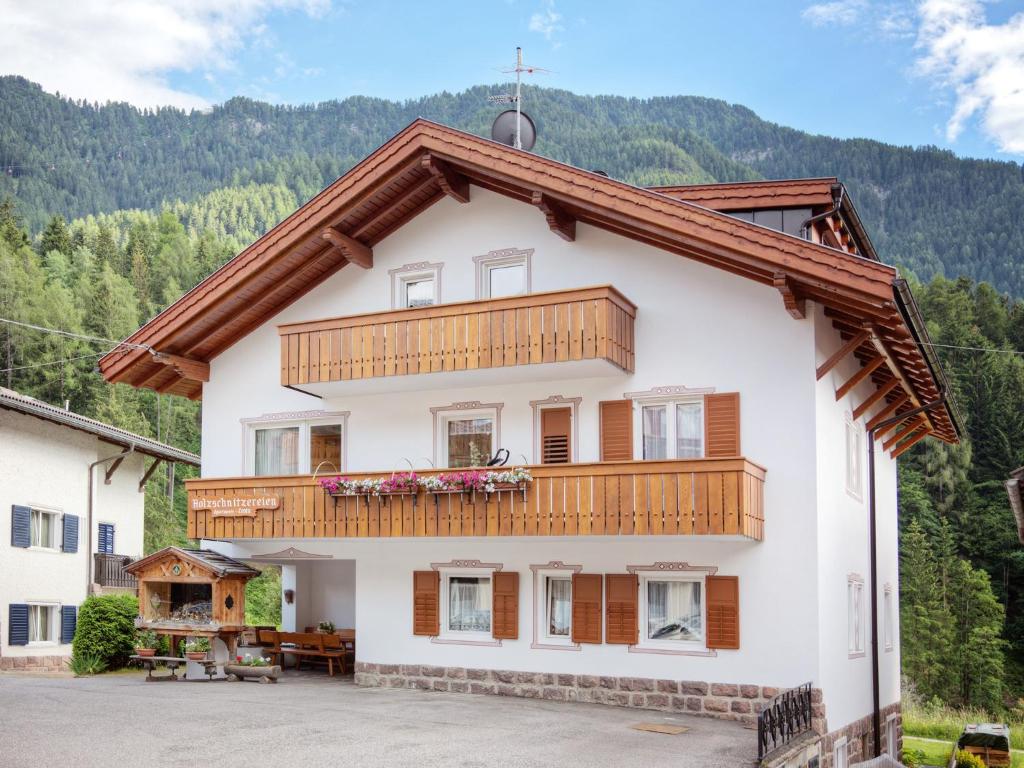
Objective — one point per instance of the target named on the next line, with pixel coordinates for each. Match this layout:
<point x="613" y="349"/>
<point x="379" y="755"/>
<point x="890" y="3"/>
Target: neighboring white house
<point x="71" y="496"/>
<point x="688" y="372"/>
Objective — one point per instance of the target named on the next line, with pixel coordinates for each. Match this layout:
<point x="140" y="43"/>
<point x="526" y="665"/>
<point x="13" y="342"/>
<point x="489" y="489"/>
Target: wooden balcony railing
<point x="713" y="497"/>
<point x="108" y="571"/>
<point x="583" y="324"/>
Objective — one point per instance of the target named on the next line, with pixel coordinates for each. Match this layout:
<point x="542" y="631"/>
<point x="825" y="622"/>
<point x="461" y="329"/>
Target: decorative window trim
<point x="671" y="395"/>
<point x="540" y="575"/>
<point x="663" y="568"/>
<point x="668" y="392"/>
<point x="557" y="401"/>
<point x="301" y="419"/>
<point x="410" y="272"/>
<point x="461" y="566"/>
<point x="439" y="412"/>
<point x="851" y="428"/>
<point x="888" y="618"/>
<point x="852" y="580"/>
<point x="502" y="257"/>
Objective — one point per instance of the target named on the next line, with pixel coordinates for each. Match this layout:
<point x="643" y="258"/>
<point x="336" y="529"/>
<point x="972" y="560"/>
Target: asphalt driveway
<point x="308" y="721"/>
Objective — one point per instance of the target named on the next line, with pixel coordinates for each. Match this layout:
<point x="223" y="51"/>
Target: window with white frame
<point x="888" y="617"/>
<point x="554" y="608"/>
<point x="503" y="273"/>
<point x="840" y="754"/>
<point x="296" y="447"/>
<point x="855" y="614"/>
<point x="854" y="458"/>
<point x="416" y="285"/>
<point x="670" y="429"/>
<point x="466" y="437"/>
<point x="42" y="623"/>
<point x="465" y="604"/>
<point x="44" y="529"/>
<point x="892" y="737"/>
<point x="672" y="610"/>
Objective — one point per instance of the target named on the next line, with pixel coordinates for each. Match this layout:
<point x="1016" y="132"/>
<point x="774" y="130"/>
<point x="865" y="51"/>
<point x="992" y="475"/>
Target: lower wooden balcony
<point x="702" y="497"/>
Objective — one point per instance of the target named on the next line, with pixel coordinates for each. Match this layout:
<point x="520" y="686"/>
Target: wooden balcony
<point x="702" y="497"/>
<point x="561" y="326"/>
<point x="109" y="571"/>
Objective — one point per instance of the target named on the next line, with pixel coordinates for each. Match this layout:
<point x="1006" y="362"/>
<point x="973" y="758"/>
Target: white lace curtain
<point x="469" y="607"/>
<point x="277" y="451"/>
<point x="559" y="607"/>
<point x="674" y="610"/>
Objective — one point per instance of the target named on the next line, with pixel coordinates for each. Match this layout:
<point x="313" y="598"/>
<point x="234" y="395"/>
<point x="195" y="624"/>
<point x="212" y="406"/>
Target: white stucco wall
<point x="45" y="465"/>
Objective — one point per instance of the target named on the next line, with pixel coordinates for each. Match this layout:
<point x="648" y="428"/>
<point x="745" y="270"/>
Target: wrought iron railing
<point x="108" y="571"/>
<point x="784" y="718"/>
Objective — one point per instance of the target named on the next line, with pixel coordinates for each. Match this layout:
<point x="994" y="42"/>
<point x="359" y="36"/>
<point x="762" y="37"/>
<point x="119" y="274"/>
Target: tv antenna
<point x="500" y="131"/>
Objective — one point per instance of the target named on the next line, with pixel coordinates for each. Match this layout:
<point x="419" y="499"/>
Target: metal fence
<point x="786" y="717"/>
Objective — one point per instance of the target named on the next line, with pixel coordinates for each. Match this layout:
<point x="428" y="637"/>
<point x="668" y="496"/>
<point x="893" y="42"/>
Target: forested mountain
<point x="926" y="209"/>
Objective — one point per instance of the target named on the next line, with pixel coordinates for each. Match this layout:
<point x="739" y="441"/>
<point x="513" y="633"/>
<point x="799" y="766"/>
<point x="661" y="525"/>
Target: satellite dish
<point x="504" y="129"/>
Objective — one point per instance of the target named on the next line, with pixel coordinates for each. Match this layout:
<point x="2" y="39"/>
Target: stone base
<point x="54" y="663"/>
<point x="728" y="701"/>
<point x="860" y="741"/>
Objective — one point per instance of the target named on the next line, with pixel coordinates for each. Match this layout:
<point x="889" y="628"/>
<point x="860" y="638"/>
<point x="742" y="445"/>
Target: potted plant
<point x="145" y="643"/>
<point x="327" y="627"/>
<point x="252" y="667"/>
<point x="196" y="648"/>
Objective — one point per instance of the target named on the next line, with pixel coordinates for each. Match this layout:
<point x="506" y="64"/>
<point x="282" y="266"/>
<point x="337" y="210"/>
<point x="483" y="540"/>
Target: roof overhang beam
<point x="353" y="250"/>
<point x="559" y="221"/>
<point x="454" y="184"/>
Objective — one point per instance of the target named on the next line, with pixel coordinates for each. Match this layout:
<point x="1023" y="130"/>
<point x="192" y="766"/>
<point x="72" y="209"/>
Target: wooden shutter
<point x="68" y="622"/>
<point x="723" y="611"/>
<point x="586" y="608"/>
<point x="622" y="591"/>
<point x="505" y="605"/>
<point x="722" y="425"/>
<point x="106" y="538"/>
<point x="70" y="542"/>
<point x="616" y="430"/>
<point x="21" y="526"/>
<point x="555" y="435"/>
<point x="17" y="624"/>
<point x="426" y="603"/>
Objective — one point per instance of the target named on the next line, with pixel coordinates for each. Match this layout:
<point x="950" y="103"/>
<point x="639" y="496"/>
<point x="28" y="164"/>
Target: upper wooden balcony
<point x="702" y="497"/>
<point x="555" y="327"/>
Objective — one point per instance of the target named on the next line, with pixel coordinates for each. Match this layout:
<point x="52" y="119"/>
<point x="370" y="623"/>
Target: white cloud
<point x="547" y="21"/>
<point x="983" y="64"/>
<point x="124" y="50"/>
<point x="839" y="13"/>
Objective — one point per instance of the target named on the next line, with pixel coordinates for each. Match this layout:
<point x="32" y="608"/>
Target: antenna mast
<point x="517" y="97"/>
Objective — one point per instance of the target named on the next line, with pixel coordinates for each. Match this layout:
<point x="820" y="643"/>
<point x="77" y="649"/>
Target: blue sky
<point x="944" y="72"/>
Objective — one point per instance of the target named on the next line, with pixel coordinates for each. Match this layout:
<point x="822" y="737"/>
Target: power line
<point x="52" y="362"/>
<point x="973" y="349"/>
<point x="79" y="336"/>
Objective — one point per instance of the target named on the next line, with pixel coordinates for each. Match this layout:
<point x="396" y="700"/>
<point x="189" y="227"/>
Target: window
<point x="416" y="285"/>
<point x="42" y="623"/>
<point x="294" y="447"/>
<point x="44" y="529"/>
<point x="854" y="458"/>
<point x="892" y="737"/>
<point x="503" y="273"/>
<point x="672" y="611"/>
<point x="672" y="430"/>
<point x="105" y="542"/>
<point x="466" y="605"/>
<point x="557" y="607"/>
<point x="855" y="614"/>
<point x="466" y="434"/>
<point x="840" y="756"/>
<point x="888" y="617"/>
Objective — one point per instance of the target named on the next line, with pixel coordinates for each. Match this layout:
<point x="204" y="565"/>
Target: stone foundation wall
<point x="728" y="701"/>
<point x="860" y="739"/>
<point x="33" y="663"/>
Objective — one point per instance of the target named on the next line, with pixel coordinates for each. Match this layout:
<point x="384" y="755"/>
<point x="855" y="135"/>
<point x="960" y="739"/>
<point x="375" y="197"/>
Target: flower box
<point x="262" y="674"/>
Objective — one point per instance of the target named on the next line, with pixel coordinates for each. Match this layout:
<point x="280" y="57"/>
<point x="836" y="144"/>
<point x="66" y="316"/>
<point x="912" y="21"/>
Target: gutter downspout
<point x="837" y="200"/>
<point x="92" y="472"/>
<point x="876" y="710"/>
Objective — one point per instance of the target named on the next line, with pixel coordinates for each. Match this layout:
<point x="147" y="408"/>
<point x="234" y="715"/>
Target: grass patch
<point x="947" y="723"/>
<point x="936" y="753"/>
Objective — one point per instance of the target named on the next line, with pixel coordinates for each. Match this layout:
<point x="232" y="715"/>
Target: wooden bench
<point x="305" y="646"/>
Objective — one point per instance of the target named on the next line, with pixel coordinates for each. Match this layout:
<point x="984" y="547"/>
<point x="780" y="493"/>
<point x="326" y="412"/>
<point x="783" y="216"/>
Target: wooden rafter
<point x="386" y="211"/>
<point x="874" y="397"/>
<point x="869" y="367"/>
<point x="909" y="428"/>
<point x="112" y="469"/>
<point x="187" y="368"/>
<point x="148" y="474"/>
<point x="560" y="222"/>
<point x="353" y="251"/>
<point x="454" y="184"/>
<point x="842" y="352"/>
<point x="795" y="305"/>
<point x="897" y="372"/>
<point x="913" y="440"/>
<point x="887" y="411"/>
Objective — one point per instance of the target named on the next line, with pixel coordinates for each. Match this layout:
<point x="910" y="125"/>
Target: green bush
<point x="965" y="759"/>
<point x="106" y="629"/>
<point x="87" y="664"/>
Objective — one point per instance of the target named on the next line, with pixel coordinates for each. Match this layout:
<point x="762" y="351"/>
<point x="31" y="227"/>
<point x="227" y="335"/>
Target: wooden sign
<point x="235" y="506"/>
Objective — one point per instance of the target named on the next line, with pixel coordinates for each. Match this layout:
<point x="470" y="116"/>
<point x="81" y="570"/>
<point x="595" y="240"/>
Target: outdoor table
<point x="150" y="662"/>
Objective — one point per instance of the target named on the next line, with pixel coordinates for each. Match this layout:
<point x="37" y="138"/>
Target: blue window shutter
<point x="17" y="626"/>
<point x="21" y="526"/>
<point x="70" y="543"/>
<point x="106" y="538"/>
<point x="68" y="622"/>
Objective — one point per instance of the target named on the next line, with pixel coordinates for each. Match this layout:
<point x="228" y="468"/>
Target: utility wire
<point x="52" y="362"/>
<point x="79" y="336"/>
<point x="973" y="349"/>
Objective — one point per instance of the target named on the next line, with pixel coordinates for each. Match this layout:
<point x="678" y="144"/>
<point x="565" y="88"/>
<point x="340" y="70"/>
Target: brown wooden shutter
<point x="622" y="591"/>
<point x="616" y="430"/>
<point x="723" y="609"/>
<point x="426" y="602"/>
<point x="722" y="425"/>
<point x="555" y="435"/>
<point x="586" y="608"/>
<point x="505" y="605"/>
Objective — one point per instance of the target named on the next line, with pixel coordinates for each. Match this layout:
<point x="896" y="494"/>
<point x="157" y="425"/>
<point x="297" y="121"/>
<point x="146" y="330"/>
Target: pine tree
<point x="924" y="627"/>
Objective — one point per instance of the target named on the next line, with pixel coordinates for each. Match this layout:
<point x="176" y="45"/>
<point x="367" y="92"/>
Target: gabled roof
<point x="425" y="162"/>
<point x="13" y="401"/>
<point x="214" y="562"/>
